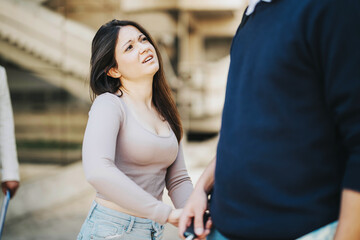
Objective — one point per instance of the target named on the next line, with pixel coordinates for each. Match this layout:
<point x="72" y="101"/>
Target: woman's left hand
<point x="175" y="216"/>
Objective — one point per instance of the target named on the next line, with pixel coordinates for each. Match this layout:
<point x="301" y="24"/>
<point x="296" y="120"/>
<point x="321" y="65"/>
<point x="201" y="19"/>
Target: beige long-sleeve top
<point x="129" y="165"/>
<point x="8" y="155"/>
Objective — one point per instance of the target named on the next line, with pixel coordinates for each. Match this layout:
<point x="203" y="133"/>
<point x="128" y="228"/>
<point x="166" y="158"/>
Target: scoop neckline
<point x="141" y="125"/>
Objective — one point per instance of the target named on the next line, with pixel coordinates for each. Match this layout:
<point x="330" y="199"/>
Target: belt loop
<point x="156" y="228"/>
<point x="154" y="225"/>
<point x="94" y="204"/>
<point x="132" y="221"/>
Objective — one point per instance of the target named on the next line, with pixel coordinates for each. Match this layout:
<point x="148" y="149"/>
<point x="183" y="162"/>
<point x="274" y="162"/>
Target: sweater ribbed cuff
<point x="352" y="176"/>
<point x="10" y="176"/>
<point x="161" y="213"/>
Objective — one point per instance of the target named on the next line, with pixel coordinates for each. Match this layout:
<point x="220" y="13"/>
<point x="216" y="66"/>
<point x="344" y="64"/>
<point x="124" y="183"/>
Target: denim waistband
<point x="124" y="219"/>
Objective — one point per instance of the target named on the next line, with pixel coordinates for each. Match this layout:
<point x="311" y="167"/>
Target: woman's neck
<point x="138" y="91"/>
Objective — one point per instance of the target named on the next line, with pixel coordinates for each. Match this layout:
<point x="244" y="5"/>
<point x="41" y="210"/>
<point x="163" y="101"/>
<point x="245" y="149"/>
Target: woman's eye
<point x="129" y="48"/>
<point x="144" y="39"/>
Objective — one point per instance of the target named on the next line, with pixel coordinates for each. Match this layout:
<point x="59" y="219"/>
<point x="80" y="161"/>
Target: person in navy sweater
<point x="288" y="157"/>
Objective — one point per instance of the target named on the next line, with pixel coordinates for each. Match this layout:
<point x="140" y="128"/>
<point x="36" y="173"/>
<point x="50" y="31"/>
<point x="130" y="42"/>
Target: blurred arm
<point x="348" y="228"/>
<point x="8" y="156"/>
<point x="338" y="50"/>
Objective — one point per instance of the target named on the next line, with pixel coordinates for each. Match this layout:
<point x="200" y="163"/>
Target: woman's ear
<point x="114" y="73"/>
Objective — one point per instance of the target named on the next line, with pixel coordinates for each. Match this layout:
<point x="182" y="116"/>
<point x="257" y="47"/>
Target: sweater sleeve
<point x="339" y="58"/>
<point x="99" y="147"/>
<point x="178" y="182"/>
<point x="8" y="155"/>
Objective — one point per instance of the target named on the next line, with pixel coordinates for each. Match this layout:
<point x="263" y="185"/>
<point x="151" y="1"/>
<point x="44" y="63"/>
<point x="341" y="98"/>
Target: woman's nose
<point x="143" y="48"/>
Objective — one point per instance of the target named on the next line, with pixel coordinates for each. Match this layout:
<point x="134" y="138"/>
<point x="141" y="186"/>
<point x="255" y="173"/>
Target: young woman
<point x="131" y="147"/>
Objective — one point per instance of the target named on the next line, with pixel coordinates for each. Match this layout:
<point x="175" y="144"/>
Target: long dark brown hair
<point x="103" y="59"/>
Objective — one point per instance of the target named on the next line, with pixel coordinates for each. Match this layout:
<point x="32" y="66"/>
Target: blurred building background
<point x="45" y="48"/>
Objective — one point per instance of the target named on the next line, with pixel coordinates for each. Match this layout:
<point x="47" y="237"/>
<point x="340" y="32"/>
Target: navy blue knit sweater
<point x="290" y="135"/>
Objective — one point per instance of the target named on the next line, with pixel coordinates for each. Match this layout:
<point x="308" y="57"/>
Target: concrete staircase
<point x="53" y="47"/>
<point x="53" y="138"/>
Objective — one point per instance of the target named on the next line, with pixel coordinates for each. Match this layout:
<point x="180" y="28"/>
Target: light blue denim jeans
<point x="324" y="233"/>
<point x="105" y="223"/>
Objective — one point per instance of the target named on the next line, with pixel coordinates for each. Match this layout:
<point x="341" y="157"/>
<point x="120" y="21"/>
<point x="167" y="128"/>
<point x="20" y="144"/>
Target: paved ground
<point x="63" y="221"/>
